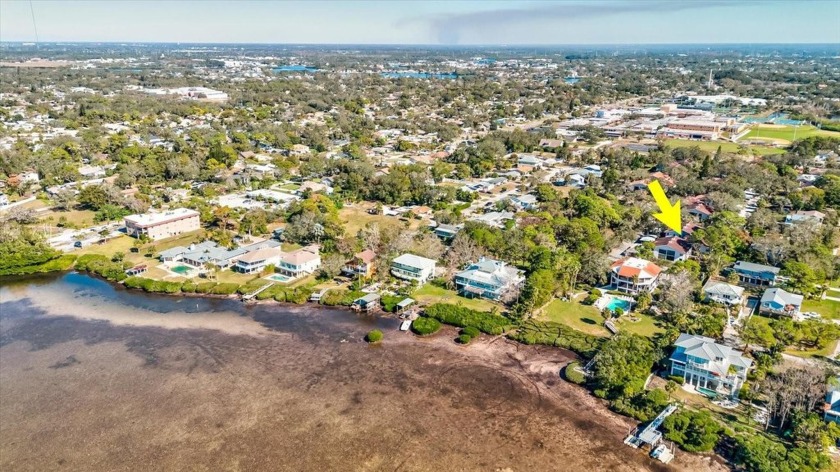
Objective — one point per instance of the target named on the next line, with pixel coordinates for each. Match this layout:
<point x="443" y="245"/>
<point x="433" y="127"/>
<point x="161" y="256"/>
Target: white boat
<point x="405" y="325"/>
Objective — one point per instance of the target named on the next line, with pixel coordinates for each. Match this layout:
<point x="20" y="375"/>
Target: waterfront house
<point x="756" y="274"/>
<point x="488" y="278"/>
<point x="710" y="367"/>
<point x="700" y="210"/>
<point x="672" y="248"/>
<point x="361" y="265"/>
<point x="633" y="275"/>
<point x="258" y="260"/>
<point x="366" y="303"/>
<point x="777" y="302"/>
<point x="722" y="292"/>
<point x="301" y="262"/>
<point x="411" y="267"/>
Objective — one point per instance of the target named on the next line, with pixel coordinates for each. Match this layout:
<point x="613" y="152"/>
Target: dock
<point x="250" y="296"/>
<point x="650" y="435"/>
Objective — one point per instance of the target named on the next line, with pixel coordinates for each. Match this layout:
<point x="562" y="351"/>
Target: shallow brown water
<point x="278" y="388"/>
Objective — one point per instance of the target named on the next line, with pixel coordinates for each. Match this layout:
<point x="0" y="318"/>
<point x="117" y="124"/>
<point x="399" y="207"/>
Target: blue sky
<point x="425" y="22"/>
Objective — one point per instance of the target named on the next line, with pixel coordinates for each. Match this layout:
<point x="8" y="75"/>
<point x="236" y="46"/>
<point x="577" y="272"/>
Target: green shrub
<point x="340" y="297"/>
<point x="374" y="336"/>
<point x="464" y="339"/>
<point x="462" y="317"/>
<point x="151" y="285"/>
<point x="471" y="331"/>
<point x="679" y="380"/>
<point x="188" y="286"/>
<point x="550" y="333"/>
<point x="269" y="292"/>
<point x="571" y="373"/>
<point x="102" y="266"/>
<point x="59" y="264"/>
<point x="251" y="286"/>
<point x="425" y="326"/>
<point x="593" y="296"/>
<point x="643" y="406"/>
<point x="204" y="287"/>
<point x="694" y="431"/>
<point x="389" y="302"/>
<point x="224" y="289"/>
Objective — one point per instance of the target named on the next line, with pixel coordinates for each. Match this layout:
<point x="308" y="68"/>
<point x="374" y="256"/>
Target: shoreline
<point x="537" y="368"/>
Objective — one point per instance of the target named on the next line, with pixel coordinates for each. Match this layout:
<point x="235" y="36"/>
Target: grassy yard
<point x="785" y="134"/>
<point x="583" y="318"/>
<point x="429" y="294"/>
<point x="356" y="217"/>
<point x="712" y="146"/>
<point x="646" y="325"/>
<point x="827" y="308"/>
<point x="78" y="218"/>
<point x="119" y="244"/>
<point x="827" y="351"/>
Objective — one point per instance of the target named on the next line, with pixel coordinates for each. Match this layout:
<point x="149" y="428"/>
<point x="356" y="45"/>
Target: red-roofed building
<point x="672" y="248"/>
<point x="633" y="275"/>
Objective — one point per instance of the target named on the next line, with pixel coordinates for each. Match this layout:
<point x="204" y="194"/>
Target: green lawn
<point x="826" y="308"/>
<point x="583" y="318"/>
<point x="429" y="294"/>
<point x="645" y="326"/>
<point x="827" y="351"/>
<point x="712" y="146"/>
<point x="787" y="133"/>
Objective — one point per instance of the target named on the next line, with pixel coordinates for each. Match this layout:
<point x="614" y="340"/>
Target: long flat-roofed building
<point x="162" y="225"/>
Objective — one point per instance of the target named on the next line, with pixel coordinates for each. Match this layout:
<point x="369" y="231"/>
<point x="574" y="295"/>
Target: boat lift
<point x="651" y="434"/>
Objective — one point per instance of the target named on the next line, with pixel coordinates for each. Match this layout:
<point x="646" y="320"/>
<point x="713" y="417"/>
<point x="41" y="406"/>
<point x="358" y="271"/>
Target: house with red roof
<point x="672" y="248"/>
<point x="633" y="275"/>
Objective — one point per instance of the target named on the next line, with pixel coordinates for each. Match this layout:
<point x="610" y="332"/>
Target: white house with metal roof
<point x="710" y="367"/>
<point x="722" y="292"/>
<point x="411" y="267"/>
<point x="488" y="278"/>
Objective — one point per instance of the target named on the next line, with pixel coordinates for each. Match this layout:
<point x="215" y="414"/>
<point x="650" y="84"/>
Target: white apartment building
<point x="162" y="225"/>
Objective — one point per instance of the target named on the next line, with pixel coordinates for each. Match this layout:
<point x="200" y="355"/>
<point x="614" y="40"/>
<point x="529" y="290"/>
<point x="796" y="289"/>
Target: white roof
<point x="151" y="219"/>
<point x="415" y="261"/>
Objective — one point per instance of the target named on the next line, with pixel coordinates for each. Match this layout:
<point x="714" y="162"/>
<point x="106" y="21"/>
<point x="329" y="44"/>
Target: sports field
<point x="712" y="146"/>
<point x="785" y="134"/>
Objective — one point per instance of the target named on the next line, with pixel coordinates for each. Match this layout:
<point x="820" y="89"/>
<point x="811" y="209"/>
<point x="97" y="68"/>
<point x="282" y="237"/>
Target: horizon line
<point x="118" y="42"/>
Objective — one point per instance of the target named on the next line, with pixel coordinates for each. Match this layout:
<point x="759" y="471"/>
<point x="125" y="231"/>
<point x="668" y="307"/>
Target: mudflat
<point x="283" y="389"/>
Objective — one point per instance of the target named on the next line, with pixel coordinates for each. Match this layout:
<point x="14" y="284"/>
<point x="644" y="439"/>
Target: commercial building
<point x="488" y="278"/>
<point x="710" y="367"/>
<point x="411" y="267"/>
<point x="162" y="225"/>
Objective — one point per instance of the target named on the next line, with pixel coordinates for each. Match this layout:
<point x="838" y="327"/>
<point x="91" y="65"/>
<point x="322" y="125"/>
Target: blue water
<point x="295" y="68"/>
<point x="571" y="80"/>
<point x="420" y="75"/>
<point x="617" y="303"/>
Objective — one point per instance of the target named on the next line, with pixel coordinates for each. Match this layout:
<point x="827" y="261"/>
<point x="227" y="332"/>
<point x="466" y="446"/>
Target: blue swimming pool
<point x="616" y="303"/>
<point x="279" y="278"/>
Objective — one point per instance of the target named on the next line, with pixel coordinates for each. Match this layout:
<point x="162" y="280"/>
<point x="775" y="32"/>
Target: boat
<point x="405" y="325"/>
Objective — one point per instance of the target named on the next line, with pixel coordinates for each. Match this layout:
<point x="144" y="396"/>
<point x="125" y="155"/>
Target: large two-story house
<point x="722" y="292"/>
<point x="411" y="267"/>
<point x="302" y="262"/>
<point x="487" y="278"/>
<point x="361" y="265"/>
<point x="756" y="274"/>
<point x="633" y="275"/>
<point x="710" y="367"/>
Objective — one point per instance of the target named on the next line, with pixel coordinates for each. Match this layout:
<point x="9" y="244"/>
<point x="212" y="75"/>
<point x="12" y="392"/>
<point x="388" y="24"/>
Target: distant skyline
<point x="424" y="22"/>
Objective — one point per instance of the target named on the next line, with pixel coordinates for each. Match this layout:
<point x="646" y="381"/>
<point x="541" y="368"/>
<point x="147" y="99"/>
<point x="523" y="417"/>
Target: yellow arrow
<point x="670" y="214"/>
